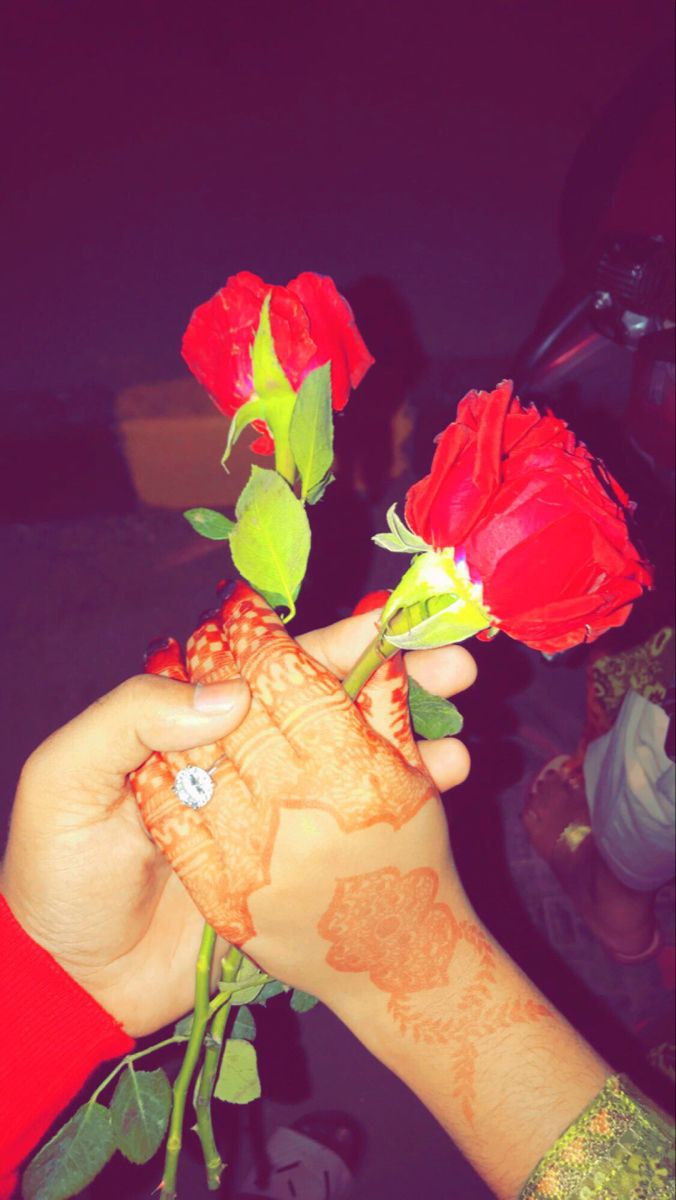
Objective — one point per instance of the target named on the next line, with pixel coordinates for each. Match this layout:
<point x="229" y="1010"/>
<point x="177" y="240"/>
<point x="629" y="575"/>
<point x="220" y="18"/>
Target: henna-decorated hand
<point x="311" y="791"/>
<point x="324" y="853"/>
<point x="80" y="872"/>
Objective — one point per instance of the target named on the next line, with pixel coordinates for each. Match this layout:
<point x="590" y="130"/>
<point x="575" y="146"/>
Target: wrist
<point x="485" y="1053"/>
<point x="422" y="983"/>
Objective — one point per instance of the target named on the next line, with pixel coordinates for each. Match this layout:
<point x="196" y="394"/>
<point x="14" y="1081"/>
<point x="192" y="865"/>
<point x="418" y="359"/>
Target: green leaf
<point x="246" y="970"/>
<point x="311" y="432"/>
<point x="269" y="380"/>
<point x="302" y="1002"/>
<point x="244" y="1026"/>
<point x="432" y="716"/>
<point x="140" y="1113"/>
<point x="182" y="1028"/>
<point x="315" y="494"/>
<point x="72" y="1158"/>
<point x="238" y="1081"/>
<point x="253" y="410"/>
<point x="270" y="990"/>
<point x="209" y="523"/>
<point x="271" y="542"/>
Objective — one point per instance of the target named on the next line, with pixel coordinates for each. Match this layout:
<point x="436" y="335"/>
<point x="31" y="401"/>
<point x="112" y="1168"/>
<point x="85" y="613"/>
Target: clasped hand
<point x="309" y="789"/>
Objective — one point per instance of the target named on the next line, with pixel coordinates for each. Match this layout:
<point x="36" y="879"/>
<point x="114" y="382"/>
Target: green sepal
<point x="432" y="716"/>
<point x="238" y="1080"/>
<point x="269" y="380"/>
<point x="302" y="1002"/>
<point x="140" y="1113"/>
<point x="270" y="544"/>
<point x="72" y="1158"/>
<point x="253" y="410"/>
<point x="442" y="604"/>
<point x="400" y="539"/>
<point x="271" y="387"/>
<point x="209" y="523"/>
<point x="311" y="430"/>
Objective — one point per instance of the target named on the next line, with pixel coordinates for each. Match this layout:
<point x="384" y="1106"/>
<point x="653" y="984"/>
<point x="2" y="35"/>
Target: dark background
<point x="443" y="162"/>
<point x="152" y="149"/>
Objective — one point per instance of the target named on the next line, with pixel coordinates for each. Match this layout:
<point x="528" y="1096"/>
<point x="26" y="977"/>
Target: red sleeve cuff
<point x="54" y="1035"/>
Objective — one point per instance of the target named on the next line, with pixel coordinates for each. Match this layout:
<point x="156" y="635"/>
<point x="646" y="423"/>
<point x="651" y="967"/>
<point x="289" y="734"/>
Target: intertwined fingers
<point x="335" y="760"/>
<point x="303" y="744"/>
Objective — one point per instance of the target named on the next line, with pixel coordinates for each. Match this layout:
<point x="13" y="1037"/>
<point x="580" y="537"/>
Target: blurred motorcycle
<point x="607" y="331"/>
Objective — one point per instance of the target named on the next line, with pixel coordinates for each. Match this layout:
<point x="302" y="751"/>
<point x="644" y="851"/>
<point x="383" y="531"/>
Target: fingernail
<point x="213" y="698"/>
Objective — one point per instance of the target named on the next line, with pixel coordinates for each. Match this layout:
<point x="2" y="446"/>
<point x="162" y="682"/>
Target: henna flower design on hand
<point x="388" y="924"/>
<point x="391" y="925"/>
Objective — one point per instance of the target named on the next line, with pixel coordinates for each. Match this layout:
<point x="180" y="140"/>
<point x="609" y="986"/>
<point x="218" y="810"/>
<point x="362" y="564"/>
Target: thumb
<point x="116" y="734"/>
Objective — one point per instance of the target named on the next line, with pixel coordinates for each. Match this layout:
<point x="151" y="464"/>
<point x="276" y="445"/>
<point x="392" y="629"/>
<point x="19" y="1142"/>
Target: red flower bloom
<point x="540" y="522"/>
<point x="311" y="324"/>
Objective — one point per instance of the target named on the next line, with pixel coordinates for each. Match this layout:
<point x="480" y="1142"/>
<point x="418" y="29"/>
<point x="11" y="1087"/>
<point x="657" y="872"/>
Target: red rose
<point x="540" y="522"/>
<point x="311" y="324"/>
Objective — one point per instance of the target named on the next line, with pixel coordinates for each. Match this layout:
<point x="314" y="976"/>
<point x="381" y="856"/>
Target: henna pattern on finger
<point x="303" y="745"/>
<point x="391" y="926"/>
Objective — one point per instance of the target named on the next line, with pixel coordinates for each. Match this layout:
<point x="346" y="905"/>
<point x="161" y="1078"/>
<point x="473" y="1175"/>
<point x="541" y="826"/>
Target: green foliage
<point x="271" y="386"/>
<point x="400" y="539"/>
<point x="271" y="542"/>
<point x="302" y="1002"/>
<point x="244" y="1025"/>
<point x="182" y="1028"/>
<point x="315" y="494"/>
<point x="311" y="433"/>
<point x="269" y="380"/>
<point x="253" y="410"/>
<point x="140" y="1112"/>
<point x="238" y="1080"/>
<point x="432" y="716"/>
<point x="270" y="990"/>
<point x="73" y="1157"/>
<point x="209" y="524"/>
<point x="440" y="603"/>
<point x="246" y="970"/>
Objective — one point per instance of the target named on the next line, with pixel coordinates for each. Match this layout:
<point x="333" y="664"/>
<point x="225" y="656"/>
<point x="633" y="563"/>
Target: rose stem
<point x="192" y="1053"/>
<point x="381" y="648"/>
<point x="207" y="1077"/>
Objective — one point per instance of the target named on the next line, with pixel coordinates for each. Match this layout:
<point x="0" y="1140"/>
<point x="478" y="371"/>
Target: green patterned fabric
<point x="620" y="1148"/>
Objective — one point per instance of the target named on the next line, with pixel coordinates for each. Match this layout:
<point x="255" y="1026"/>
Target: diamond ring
<point x="194" y="786"/>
